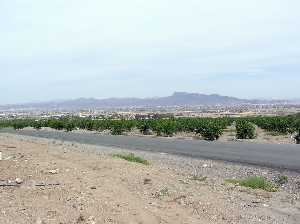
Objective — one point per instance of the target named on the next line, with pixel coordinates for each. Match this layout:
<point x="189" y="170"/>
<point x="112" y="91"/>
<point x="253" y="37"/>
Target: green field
<point x="209" y="128"/>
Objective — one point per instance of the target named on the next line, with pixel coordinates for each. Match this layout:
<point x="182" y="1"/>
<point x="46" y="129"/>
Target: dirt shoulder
<point x="48" y="181"/>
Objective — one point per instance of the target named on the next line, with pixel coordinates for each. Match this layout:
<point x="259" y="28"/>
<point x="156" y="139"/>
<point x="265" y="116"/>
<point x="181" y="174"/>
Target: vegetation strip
<point x="208" y="128"/>
<point x="255" y="182"/>
<point x="131" y="158"/>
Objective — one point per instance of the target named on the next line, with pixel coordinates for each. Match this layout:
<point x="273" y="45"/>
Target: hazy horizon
<point x="135" y="97"/>
<point x="56" y="50"/>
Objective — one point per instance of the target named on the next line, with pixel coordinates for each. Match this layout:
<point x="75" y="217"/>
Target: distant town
<point x="180" y="104"/>
<point x="153" y="112"/>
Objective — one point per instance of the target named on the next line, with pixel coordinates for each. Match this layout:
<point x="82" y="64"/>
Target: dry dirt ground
<point x="46" y="181"/>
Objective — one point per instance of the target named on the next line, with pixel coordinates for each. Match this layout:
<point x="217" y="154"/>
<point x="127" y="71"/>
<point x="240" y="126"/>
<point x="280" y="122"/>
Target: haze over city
<point x="70" y="49"/>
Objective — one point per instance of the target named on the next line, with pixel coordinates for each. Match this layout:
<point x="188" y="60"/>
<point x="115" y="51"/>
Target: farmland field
<point x="205" y="128"/>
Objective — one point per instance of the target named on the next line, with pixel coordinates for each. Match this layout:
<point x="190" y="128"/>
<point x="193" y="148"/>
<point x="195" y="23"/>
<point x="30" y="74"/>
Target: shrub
<point x="245" y="130"/>
<point x="56" y="124"/>
<point x="117" y="128"/>
<point x="282" y="125"/>
<point x="210" y="131"/>
<point x="144" y="128"/>
<point x="69" y="126"/>
<point x="20" y="124"/>
<point x="296" y="126"/>
<point x="165" y="127"/>
<point x="37" y="125"/>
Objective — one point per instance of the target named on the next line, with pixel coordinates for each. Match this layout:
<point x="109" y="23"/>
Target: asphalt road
<point x="286" y="156"/>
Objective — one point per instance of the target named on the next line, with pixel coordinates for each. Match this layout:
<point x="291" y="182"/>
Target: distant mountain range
<point x="177" y="99"/>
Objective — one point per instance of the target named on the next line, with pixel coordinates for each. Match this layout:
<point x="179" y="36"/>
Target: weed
<point x="132" y="158"/>
<point x="163" y="192"/>
<point x="281" y="179"/>
<point x="198" y="178"/>
<point x="255" y="183"/>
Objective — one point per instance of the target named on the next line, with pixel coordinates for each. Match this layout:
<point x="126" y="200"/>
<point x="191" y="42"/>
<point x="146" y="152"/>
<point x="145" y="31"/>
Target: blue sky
<point x="72" y="48"/>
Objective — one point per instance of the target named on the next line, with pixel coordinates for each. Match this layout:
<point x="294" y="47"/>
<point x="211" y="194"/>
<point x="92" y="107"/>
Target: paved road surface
<point x="271" y="155"/>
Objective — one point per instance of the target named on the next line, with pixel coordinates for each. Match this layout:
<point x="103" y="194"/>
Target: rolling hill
<point x="177" y="99"/>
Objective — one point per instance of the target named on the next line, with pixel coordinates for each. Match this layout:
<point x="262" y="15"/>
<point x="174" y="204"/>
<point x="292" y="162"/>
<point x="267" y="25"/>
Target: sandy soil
<point x="61" y="182"/>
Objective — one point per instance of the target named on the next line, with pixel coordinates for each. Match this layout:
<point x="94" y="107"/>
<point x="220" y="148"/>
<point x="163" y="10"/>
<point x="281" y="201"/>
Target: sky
<point x="66" y="49"/>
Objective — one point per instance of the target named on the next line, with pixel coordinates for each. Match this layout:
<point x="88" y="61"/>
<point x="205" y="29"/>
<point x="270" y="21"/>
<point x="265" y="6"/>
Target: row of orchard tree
<point x="208" y="128"/>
